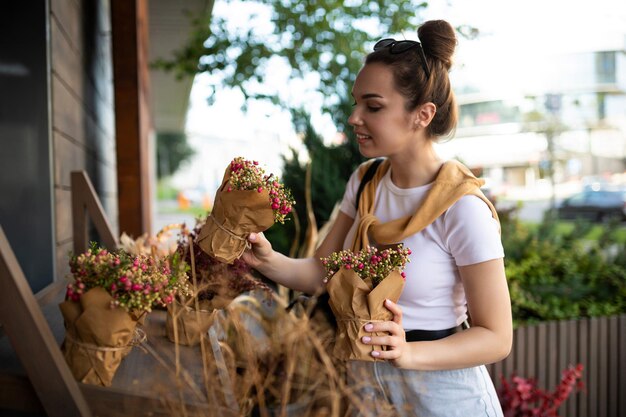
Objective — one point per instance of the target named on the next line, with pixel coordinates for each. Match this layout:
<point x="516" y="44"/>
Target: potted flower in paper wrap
<point x="214" y="285"/>
<point x="247" y="201"/>
<point x="358" y="284"/>
<point x="111" y="293"/>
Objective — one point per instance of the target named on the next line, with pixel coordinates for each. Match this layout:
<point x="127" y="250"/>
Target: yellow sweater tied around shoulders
<point x="453" y="181"/>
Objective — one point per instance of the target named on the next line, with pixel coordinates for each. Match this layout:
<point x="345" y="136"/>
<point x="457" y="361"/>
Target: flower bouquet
<point x="111" y="293"/>
<point x="247" y="201"/>
<point x="358" y="284"/>
<point x="214" y="285"/>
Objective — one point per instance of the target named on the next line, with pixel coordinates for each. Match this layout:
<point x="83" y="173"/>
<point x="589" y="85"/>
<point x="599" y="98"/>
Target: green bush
<point x="556" y="271"/>
<point x="331" y="167"/>
<point x="165" y="190"/>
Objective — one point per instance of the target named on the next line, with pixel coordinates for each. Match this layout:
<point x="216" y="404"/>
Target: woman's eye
<point x="373" y="109"/>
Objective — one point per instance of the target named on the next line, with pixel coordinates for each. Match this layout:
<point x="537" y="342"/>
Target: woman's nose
<point x="354" y="119"/>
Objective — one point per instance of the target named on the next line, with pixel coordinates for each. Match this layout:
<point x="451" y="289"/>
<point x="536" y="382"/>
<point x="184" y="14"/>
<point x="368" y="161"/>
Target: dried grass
<point x="259" y="357"/>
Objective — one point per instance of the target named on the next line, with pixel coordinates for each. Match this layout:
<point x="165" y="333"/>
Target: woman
<point x="403" y="104"/>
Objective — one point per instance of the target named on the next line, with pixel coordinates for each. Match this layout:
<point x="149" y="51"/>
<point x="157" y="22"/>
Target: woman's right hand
<point x="260" y="253"/>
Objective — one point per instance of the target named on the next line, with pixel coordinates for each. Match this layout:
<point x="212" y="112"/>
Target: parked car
<point x="600" y="205"/>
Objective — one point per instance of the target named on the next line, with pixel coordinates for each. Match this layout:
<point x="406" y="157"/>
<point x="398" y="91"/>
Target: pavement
<point x="166" y="215"/>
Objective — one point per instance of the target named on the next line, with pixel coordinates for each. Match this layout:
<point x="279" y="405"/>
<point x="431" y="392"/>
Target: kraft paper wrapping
<point x="191" y="324"/>
<point x="97" y="337"/>
<point x="235" y="215"/>
<point x="355" y="304"/>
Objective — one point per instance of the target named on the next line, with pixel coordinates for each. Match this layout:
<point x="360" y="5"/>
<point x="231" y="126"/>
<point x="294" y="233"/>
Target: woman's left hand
<point x="397" y="348"/>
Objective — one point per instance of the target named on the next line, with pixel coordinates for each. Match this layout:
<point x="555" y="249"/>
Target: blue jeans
<point x="384" y="390"/>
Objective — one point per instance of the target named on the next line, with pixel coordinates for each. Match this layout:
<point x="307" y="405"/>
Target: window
<point x="605" y="67"/>
<point x="25" y="168"/>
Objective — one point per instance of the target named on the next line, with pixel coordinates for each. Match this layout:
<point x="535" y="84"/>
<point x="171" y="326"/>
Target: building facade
<point x="573" y="120"/>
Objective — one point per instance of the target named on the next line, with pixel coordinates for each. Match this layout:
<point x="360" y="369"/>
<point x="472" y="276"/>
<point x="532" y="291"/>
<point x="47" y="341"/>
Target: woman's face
<point x="382" y="125"/>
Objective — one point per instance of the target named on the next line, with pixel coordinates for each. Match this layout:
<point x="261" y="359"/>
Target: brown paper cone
<point x="355" y="304"/>
<point x="97" y="337"/>
<point x="235" y="215"/>
<point x="190" y="323"/>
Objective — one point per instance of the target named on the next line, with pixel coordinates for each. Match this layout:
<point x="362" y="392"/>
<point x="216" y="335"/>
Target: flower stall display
<point x="214" y="285"/>
<point x="110" y="294"/>
<point x="247" y="201"/>
<point x="358" y="284"/>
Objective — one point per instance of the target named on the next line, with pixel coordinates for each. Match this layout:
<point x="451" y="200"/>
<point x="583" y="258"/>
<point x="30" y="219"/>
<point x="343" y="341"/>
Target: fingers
<point x="260" y="245"/>
<point x="383" y="326"/>
<point x="393" y="343"/>
<point x="393" y="337"/>
<point x="379" y="340"/>
<point x="395" y="309"/>
<point x="386" y="354"/>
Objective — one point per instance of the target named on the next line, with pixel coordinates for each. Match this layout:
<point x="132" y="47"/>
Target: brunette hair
<point x="438" y="41"/>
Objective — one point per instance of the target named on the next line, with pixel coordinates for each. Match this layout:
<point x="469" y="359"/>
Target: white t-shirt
<point x="433" y="297"/>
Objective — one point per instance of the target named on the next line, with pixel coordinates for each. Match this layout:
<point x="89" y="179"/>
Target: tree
<point x="172" y="151"/>
<point x="548" y="123"/>
<point x="324" y="38"/>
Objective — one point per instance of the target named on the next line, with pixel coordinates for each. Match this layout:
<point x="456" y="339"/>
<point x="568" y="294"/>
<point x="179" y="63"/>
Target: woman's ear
<point x="424" y="114"/>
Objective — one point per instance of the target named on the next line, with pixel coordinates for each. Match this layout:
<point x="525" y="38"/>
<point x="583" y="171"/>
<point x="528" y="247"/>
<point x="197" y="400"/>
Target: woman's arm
<point x="488" y="340"/>
<point x="303" y="274"/>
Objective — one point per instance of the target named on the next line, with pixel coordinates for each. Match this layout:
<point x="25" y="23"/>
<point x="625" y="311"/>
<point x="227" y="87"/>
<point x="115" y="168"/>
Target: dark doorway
<point x="26" y="212"/>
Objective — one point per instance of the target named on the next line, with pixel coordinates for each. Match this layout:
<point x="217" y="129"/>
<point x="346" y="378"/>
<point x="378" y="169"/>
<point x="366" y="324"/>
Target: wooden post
<point x="33" y="341"/>
<point x="133" y="122"/>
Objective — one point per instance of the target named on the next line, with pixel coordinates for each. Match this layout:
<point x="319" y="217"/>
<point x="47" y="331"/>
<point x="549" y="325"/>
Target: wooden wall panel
<point x="63" y="267"/>
<point x="72" y="155"/>
<point x="68" y="13"/>
<point x="63" y="214"/>
<point x="83" y="124"/>
<point x="67" y="112"/>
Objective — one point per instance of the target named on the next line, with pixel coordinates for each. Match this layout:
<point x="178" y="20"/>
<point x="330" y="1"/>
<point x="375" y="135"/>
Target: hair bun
<point x="438" y="40"/>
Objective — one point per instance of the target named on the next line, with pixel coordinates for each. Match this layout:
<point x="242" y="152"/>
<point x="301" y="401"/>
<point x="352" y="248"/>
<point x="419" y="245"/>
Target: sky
<point x="515" y="36"/>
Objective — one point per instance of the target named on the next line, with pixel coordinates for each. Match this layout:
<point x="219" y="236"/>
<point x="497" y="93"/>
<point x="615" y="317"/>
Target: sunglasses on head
<point x="398" y="47"/>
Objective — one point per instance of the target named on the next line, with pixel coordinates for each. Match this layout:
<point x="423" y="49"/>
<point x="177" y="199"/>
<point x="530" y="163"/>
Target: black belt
<point x="428" y="335"/>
